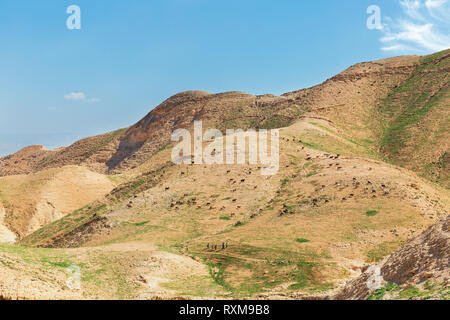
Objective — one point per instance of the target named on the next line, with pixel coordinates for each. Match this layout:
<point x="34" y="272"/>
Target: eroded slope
<point x="419" y="270"/>
<point x="29" y="202"/>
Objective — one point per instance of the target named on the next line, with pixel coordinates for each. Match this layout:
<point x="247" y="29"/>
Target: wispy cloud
<point x="424" y="27"/>
<point x="80" y="96"/>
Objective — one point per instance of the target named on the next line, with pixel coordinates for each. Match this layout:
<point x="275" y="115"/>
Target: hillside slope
<point x="124" y="149"/>
<point x="416" y="120"/>
<point x="329" y="214"/>
<point x="29" y="202"/>
<point x="419" y="270"/>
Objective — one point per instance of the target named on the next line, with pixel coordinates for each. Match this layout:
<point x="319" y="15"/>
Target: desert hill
<point x="29" y="202"/>
<point x="363" y="170"/>
<point x="329" y="215"/>
<point x="375" y="103"/>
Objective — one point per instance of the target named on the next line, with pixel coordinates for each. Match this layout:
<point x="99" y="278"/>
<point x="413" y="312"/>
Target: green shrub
<point x="371" y="213"/>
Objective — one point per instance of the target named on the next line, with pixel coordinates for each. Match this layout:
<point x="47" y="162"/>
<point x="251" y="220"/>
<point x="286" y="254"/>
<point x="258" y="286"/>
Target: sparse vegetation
<point x="229" y="232"/>
<point x="371" y="213"/>
<point x="382" y="250"/>
<point x="381" y="292"/>
<point x="140" y="224"/>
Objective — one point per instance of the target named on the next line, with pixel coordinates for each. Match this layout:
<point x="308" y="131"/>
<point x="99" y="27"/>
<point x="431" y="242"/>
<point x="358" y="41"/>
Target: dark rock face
<point x="426" y="257"/>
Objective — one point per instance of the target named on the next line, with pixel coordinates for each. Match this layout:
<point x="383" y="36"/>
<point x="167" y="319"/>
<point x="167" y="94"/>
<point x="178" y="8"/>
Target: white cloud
<point x="80" y="96"/>
<point x="431" y="4"/>
<point x="424" y="27"/>
<point x="412" y="8"/>
<point x="75" y="96"/>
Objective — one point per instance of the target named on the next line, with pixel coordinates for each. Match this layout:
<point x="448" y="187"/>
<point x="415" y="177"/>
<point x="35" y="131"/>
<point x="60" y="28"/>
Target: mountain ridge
<point x="118" y="151"/>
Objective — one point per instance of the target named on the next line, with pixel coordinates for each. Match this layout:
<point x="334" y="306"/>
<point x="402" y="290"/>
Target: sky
<point x="58" y="85"/>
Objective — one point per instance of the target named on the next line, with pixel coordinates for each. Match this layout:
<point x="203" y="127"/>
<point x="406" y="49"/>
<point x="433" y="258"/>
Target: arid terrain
<point x="362" y="195"/>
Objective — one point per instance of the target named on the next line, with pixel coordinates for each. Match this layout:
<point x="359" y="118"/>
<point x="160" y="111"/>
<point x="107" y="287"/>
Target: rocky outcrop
<point x="424" y="258"/>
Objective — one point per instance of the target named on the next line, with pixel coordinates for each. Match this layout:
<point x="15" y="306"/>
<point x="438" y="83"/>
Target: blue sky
<point x="58" y="85"/>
